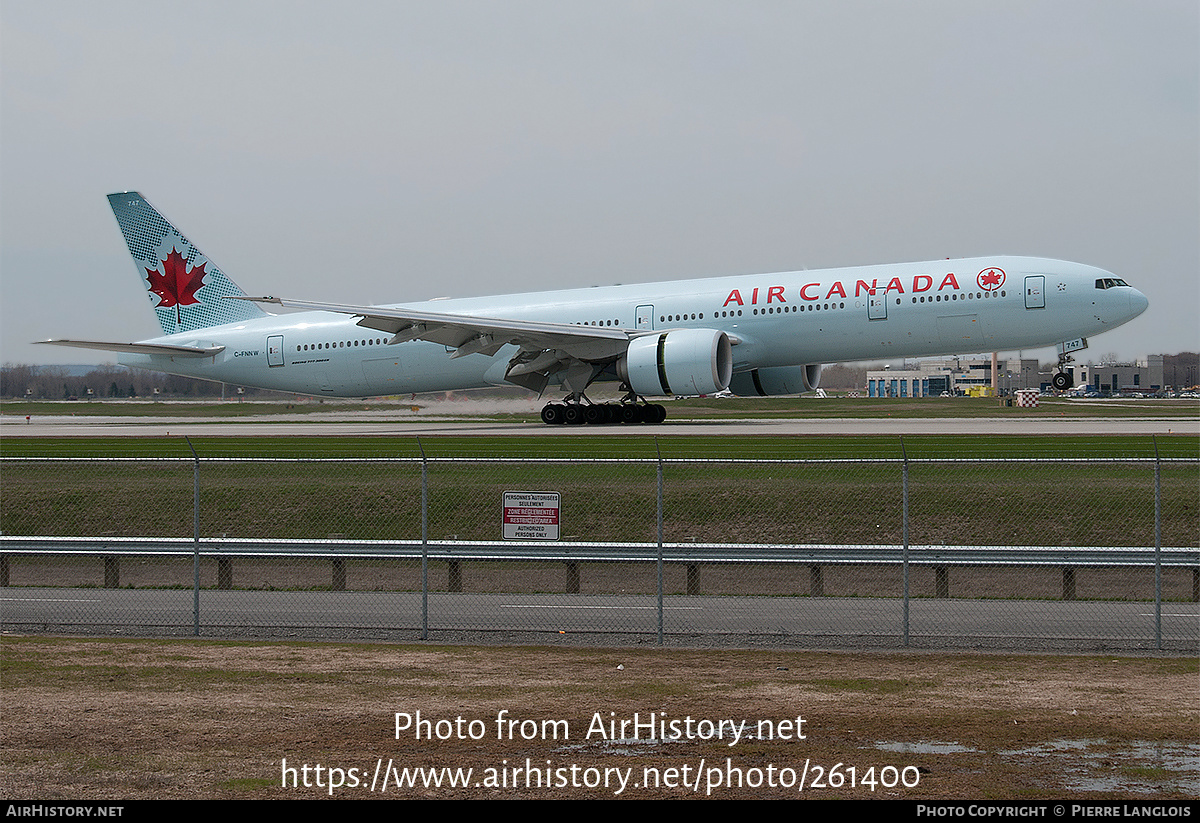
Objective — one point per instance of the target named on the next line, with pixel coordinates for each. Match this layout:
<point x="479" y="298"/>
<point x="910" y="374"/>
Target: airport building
<point x="953" y="376"/>
<point x="961" y="376"/>
<point x="1122" y="378"/>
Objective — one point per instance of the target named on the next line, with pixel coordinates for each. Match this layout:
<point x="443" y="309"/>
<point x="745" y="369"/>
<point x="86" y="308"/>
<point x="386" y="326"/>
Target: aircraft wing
<point x="545" y="348"/>
<point x="139" y="348"/>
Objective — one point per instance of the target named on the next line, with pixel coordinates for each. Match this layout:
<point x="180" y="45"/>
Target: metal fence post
<point x="660" y="541"/>
<point x="424" y="542"/>
<point x="904" y="530"/>
<point x="195" y="539"/>
<point x="1157" y="546"/>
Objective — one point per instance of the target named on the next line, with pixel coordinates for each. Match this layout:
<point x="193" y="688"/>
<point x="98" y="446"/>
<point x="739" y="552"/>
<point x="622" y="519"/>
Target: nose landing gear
<point x="1062" y="378"/>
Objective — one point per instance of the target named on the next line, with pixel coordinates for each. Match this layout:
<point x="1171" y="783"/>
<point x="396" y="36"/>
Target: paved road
<point x="978" y="623"/>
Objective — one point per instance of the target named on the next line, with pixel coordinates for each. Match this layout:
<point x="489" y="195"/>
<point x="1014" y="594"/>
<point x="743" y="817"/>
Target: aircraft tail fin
<point x="185" y="287"/>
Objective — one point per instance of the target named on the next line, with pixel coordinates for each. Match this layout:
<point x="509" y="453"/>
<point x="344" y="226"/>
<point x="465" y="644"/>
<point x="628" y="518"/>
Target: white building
<point x="958" y="375"/>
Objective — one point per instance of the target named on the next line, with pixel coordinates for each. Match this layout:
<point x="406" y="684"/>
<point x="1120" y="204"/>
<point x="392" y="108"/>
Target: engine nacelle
<point x="681" y="361"/>
<point x="776" y="380"/>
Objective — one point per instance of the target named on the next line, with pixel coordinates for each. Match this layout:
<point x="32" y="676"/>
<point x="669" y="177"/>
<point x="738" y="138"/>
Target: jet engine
<point x="776" y="380"/>
<point x="680" y="361"/>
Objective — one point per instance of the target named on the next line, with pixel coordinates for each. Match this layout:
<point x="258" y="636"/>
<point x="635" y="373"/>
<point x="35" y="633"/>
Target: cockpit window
<point x="1110" y="282"/>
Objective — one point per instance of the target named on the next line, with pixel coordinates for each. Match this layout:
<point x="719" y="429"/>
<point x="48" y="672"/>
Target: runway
<point x="390" y="423"/>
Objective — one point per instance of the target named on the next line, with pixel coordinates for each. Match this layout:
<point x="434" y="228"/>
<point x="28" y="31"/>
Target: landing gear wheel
<point x="1061" y="381"/>
<point x="552" y="414"/>
<point x="631" y="414"/>
<point x="656" y="413"/>
<point x="573" y="414"/>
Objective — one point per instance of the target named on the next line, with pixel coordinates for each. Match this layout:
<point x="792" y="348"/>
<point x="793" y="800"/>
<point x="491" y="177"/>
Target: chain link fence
<point x="1054" y="553"/>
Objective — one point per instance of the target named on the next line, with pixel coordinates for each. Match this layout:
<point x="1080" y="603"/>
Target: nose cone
<point x="1137" y="303"/>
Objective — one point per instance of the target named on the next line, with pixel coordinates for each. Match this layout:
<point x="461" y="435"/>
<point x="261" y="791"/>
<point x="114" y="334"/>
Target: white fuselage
<point x="783" y="319"/>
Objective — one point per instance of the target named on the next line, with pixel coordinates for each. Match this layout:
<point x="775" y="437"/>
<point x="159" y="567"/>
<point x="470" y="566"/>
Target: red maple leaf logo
<point x="176" y="286"/>
<point x="990" y="279"/>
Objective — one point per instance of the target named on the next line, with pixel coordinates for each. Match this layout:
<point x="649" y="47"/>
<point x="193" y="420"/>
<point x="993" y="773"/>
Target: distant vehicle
<point x="761" y="334"/>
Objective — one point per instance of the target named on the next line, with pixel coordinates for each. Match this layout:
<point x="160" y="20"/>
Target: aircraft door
<point x="275" y="350"/>
<point x="645" y="317"/>
<point x="1035" y="291"/>
<point x="877" y="305"/>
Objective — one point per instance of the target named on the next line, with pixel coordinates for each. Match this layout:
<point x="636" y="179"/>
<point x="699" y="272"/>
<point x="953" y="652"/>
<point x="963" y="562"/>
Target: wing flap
<point x="470" y="334"/>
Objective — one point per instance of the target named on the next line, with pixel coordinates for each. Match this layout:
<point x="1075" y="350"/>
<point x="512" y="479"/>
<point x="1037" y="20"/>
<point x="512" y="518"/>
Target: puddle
<point x="628" y="746"/>
<point x="1093" y="765"/>
<point x="924" y="748"/>
<point x="1139" y="765"/>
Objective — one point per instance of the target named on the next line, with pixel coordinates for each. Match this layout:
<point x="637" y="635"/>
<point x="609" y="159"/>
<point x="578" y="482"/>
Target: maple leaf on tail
<point x="176" y="286"/>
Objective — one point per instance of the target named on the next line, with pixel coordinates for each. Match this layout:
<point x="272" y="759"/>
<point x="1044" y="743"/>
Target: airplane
<point x="754" y="334"/>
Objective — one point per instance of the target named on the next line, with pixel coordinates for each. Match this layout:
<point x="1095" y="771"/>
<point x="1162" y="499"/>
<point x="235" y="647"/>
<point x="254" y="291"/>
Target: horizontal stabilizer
<point x="139" y="348"/>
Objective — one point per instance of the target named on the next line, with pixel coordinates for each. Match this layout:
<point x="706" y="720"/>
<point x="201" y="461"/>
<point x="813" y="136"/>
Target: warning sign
<point x="531" y="515"/>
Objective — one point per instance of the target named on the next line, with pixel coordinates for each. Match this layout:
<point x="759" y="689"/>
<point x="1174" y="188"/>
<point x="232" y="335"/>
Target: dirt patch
<point x="127" y="719"/>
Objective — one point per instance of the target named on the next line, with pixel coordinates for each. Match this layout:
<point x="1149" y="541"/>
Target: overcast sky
<point x="400" y="151"/>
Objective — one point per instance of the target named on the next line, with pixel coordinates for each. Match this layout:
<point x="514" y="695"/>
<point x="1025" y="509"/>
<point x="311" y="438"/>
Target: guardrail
<point x="572" y="555"/>
<point x="566" y="551"/>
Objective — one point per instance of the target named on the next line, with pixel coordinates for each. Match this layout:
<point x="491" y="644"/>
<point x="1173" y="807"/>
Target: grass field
<point x="868" y="447"/>
<point x="987" y="497"/>
<point x="129" y="719"/>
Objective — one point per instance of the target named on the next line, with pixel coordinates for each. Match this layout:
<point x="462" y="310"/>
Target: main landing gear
<point x="601" y="414"/>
